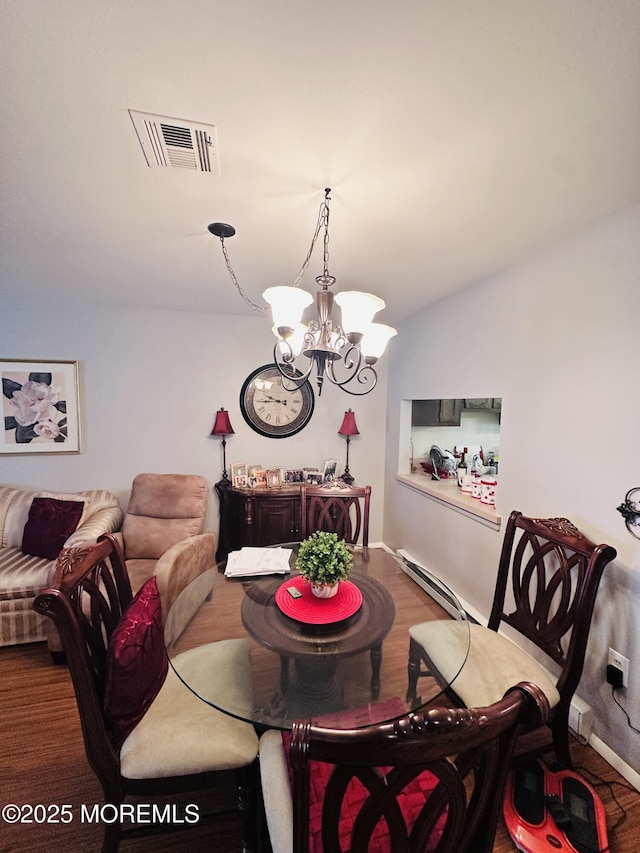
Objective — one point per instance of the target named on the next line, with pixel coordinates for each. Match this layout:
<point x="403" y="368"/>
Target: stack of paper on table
<point x="258" y="561"/>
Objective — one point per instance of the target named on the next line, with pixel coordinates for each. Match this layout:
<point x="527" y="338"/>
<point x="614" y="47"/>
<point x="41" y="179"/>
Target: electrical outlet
<point x="621" y="663"/>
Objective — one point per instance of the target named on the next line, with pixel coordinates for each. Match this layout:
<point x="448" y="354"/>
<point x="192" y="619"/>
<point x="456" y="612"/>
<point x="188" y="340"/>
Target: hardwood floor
<point x="42" y="761"/>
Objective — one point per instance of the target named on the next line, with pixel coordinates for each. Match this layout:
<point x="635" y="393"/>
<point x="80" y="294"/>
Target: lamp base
<point x="347" y="478"/>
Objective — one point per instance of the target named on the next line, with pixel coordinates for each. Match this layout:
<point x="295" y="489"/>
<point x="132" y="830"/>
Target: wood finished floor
<point x="42" y="760"/>
<point x="42" y="757"/>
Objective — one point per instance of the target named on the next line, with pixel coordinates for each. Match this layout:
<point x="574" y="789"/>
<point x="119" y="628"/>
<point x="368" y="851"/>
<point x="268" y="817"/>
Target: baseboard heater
<point x="579" y="713"/>
<point x="427" y="582"/>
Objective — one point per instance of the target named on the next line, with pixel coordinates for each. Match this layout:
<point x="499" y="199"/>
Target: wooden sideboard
<point x="256" y="517"/>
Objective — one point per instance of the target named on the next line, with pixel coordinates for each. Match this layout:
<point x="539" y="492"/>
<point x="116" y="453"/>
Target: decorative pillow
<point x="411" y="799"/>
<point x="49" y="525"/>
<point x="137" y="663"/>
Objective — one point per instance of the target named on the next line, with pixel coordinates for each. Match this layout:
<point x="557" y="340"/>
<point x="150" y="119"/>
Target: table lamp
<point x="222" y="426"/>
<point x="348" y="429"/>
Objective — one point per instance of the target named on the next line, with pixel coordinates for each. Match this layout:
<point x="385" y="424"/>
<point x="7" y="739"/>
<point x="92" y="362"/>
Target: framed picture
<point x="261" y="478"/>
<point x="239" y="476"/>
<point x="273" y="478"/>
<point x="40" y="407"/>
<point x="329" y="470"/>
<point x="294" y="475"/>
<point x="252" y="475"/>
<point x="313" y="476"/>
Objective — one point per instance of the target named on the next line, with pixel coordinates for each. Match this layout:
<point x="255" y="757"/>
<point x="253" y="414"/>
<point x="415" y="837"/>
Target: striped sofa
<point x="22" y="575"/>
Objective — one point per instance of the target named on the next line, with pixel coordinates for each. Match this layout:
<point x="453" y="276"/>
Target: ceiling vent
<point x="176" y="143"/>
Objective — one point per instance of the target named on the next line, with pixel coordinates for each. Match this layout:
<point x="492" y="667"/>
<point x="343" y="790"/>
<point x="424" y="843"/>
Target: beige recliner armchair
<point x="165" y="520"/>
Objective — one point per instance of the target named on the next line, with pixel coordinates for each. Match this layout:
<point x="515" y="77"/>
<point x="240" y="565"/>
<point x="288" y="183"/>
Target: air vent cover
<point x="176" y="143"/>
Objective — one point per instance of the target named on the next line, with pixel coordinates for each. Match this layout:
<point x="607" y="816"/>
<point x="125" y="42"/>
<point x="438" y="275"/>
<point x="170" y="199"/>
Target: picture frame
<point x="261" y="478"/>
<point x="313" y="476"/>
<point x="273" y="478"/>
<point x="294" y="475"/>
<point x="239" y="475"/>
<point x="40" y="407"/>
<point x="252" y="475"/>
<point x="329" y="470"/>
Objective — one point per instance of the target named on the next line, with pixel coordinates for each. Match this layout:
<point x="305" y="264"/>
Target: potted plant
<point x="324" y="560"/>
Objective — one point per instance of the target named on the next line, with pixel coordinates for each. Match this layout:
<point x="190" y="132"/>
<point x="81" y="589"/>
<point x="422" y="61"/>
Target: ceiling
<point x="458" y="137"/>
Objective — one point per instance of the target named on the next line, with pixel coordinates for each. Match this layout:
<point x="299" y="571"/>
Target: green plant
<point x="324" y="559"/>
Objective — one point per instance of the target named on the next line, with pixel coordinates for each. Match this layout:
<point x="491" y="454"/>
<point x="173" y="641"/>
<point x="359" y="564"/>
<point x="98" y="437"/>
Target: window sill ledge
<point x="447" y="492"/>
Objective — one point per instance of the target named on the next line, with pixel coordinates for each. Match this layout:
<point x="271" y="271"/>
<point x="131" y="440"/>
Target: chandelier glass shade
<point x="345" y="352"/>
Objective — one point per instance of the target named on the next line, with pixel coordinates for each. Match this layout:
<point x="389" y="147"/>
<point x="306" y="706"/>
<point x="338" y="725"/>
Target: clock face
<point x="272" y="410"/>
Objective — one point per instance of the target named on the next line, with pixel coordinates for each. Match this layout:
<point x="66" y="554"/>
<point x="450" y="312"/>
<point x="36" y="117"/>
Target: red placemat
<point x="318" y="611"/>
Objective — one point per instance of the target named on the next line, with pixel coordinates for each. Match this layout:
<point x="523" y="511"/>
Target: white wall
<point x="150" y="384"/>
<point x="564" y="355"/>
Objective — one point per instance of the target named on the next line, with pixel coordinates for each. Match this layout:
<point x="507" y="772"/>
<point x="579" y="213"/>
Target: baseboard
<point x="615" y="761"/>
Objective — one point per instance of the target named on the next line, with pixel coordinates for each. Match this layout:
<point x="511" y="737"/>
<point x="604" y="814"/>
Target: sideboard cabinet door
<point x="256" y="517"/>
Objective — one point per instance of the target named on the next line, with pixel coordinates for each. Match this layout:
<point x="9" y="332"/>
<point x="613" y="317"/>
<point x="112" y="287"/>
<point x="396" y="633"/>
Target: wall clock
<point x="269" y="408"/>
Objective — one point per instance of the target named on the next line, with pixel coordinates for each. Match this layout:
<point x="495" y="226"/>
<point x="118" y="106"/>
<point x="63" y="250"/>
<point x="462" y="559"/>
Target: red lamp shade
<point x="222" y="425"/>
<point x="349" y="424"/>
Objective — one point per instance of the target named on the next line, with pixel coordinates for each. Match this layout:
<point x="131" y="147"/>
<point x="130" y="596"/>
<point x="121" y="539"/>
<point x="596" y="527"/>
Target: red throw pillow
<point x="49" y="525"/>
<point x="137" y="663"/>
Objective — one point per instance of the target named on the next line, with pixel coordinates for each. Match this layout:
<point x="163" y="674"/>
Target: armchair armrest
<point x="182" y="563"/>
<point x="103" y="521"/>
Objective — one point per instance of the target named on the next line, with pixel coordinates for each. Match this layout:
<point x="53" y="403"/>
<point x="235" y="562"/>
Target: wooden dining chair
<point x="336" y="507"/>
<point x="145" y="733"/>
<point x="548" y="577"/>
<point x="429" y="781"/>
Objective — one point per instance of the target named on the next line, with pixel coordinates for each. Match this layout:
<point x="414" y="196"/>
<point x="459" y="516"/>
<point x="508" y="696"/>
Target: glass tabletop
<point x="340" y="662"/>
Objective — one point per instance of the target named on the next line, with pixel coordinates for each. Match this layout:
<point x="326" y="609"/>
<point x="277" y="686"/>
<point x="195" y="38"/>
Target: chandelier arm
<point x="356" y="371"/>
<point x="284" y="363"/>
<point x="362" y="376"/>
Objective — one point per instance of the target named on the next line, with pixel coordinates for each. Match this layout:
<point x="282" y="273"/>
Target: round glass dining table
<point x="339" y="662"/>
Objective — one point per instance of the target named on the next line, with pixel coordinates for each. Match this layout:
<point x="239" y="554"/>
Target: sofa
<point x="34" y="527"/>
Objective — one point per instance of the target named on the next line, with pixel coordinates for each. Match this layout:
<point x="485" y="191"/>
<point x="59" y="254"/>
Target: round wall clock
<point x="269" y="408"/>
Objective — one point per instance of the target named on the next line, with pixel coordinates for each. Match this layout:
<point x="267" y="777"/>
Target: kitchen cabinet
<point x="435" y="412"/>
<point x="492" y="403"/>
<point x="256" y="517"/>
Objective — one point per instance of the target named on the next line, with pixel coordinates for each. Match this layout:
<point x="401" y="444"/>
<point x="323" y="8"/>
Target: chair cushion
<point x="136" y="663"/>
<point x="494" y="663"/>
<point x="181" y="733"/>
<point x="50" y="523"/>
<point x="274" y="769"/>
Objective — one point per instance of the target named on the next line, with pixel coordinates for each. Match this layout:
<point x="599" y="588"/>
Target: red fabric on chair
<point x="411" y="801"/>
<point x="137" y="663"/>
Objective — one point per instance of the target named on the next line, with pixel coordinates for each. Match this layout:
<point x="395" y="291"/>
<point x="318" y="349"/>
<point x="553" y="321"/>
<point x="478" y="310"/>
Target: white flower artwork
<point x="39" y="407"/>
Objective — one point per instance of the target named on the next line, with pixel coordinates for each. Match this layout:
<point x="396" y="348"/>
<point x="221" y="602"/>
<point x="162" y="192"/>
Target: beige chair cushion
<point x="493" y="665"/>
<point x="276" y="792"/>
<point x="182" y="734"/>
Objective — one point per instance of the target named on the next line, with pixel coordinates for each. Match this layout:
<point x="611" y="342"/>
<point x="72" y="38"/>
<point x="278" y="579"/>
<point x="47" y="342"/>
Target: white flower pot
<point x="324" y="590"/>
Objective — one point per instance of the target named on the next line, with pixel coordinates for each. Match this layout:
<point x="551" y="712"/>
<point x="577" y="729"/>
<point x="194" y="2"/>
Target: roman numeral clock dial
<point x="272" y="410"/>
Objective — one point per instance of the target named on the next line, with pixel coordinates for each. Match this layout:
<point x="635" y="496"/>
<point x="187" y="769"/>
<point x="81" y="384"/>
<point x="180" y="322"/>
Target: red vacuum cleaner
<point x="553" y="810"/>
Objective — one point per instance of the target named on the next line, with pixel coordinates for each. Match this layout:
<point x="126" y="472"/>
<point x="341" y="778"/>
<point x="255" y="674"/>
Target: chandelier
<point x="343" y="353"/>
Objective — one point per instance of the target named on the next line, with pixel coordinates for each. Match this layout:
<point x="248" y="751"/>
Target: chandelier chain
<point x="261" y="309"/>
<point x="323" y="221"/>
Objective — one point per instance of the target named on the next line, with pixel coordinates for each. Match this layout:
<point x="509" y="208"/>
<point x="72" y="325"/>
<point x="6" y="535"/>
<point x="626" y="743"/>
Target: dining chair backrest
<point x="336" y="507"/>
<point x="88" y="596"/>
<point x="428" y="781"/>
<point x="548" y="577"/>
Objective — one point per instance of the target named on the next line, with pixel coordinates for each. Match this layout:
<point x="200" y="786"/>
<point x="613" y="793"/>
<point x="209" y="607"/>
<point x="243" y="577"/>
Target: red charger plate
<point x="318" y="611"/>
